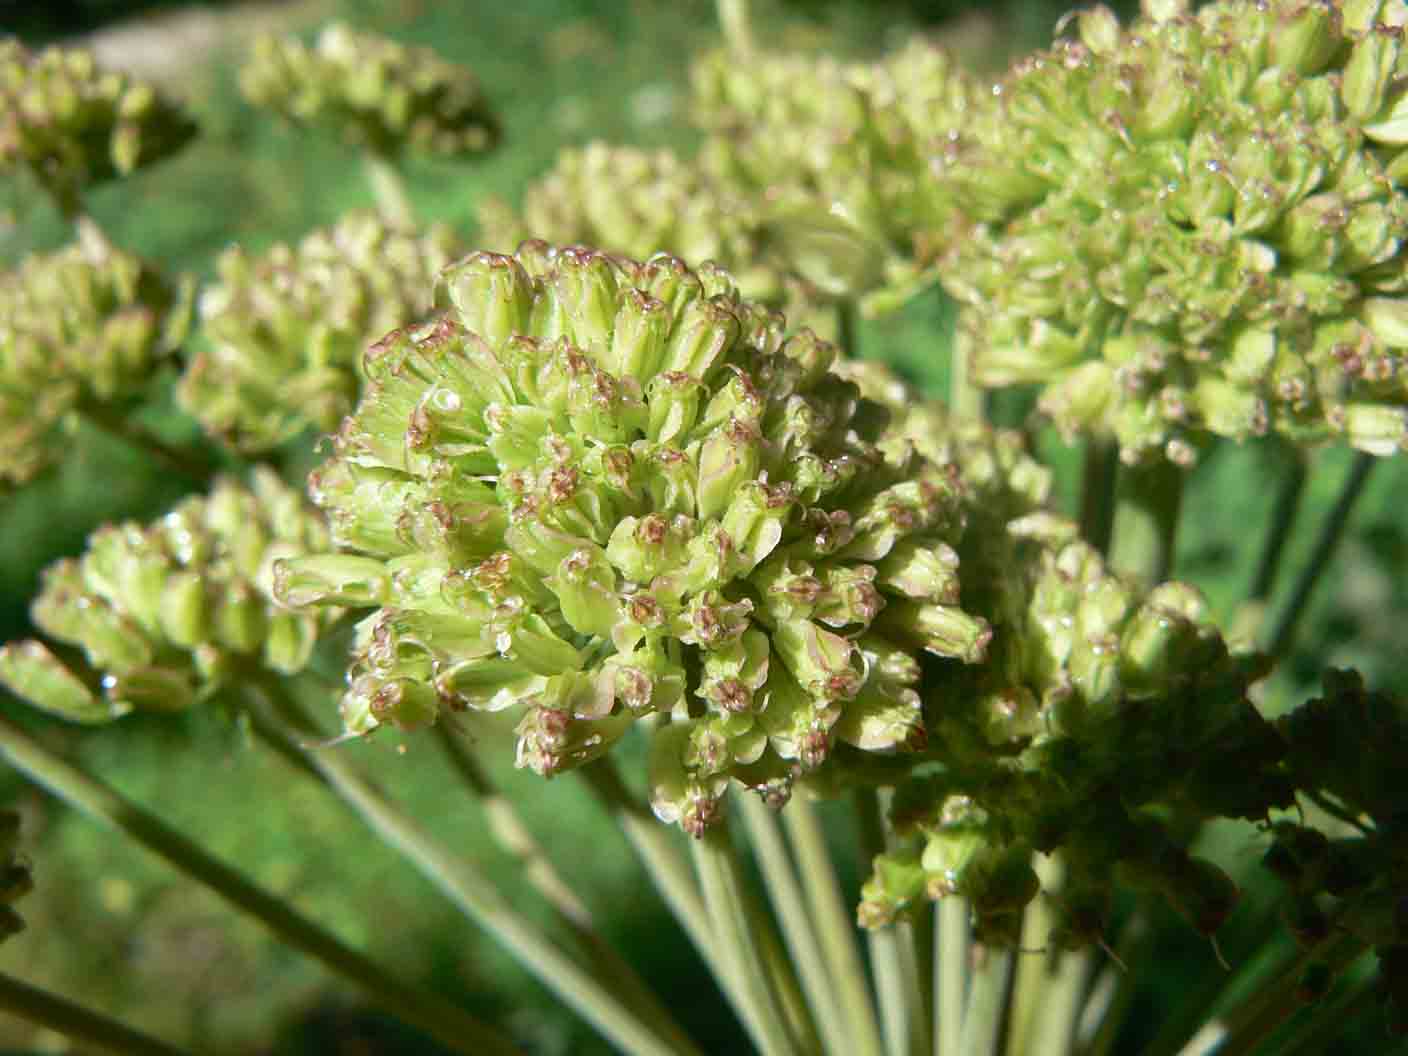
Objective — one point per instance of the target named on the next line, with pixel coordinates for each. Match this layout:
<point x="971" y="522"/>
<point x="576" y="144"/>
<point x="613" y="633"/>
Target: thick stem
<point x="835" y="924"/>
<point x="513" y="835"/>
<point x="76" y="1022"/>
<point x="982" y="1022"/>
<point x="1100" y="464"/>
<point x="965" y="398"/>
<point x="389" y="190"/>
<point x="1331" y="531"/>
<point x="718" y="876"/>
<point x="1147" y="499"/>
<point x="797" y="930"/>
<point x="951" y="971"/>
<point x="463" y="884"/>
<point x="896" y="983"/>
<point x="439" y="1019"/>
<point x="733" y="17"/>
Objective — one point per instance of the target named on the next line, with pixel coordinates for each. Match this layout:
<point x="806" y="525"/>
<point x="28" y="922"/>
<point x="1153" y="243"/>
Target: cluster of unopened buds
<point x="81" y="330"/>
<point x="72" y="124"/>
<point x="375" y="93"/>
<point x="1192" y="226"/>
<point x="281" y="335"/>
<point x="160" y="616"/>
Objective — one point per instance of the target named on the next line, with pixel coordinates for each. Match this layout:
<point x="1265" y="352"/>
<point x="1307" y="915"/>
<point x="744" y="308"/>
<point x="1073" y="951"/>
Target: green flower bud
<point x="83" y="328"/>
<point x="165" y="613"/>
<point x="283" y="334"/>
<point x="636" y="426"/>
<point x="376" y="94"/>
<point x="73" y="125"/>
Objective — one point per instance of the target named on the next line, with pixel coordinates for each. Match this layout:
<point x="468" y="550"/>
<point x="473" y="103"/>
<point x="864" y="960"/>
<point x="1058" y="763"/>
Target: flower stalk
<point x="439" y="1019"/>
<point x="75" y="1022"/>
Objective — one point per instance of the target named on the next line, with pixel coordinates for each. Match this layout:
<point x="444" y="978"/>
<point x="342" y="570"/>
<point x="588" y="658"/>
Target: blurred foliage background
<point x="119" y="931"/>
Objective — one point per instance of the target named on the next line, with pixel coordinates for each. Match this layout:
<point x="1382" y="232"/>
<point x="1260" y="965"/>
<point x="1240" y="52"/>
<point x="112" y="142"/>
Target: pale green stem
<point x="1118" y="979"/>
<point x="733" y="17"/>
<point x="982" y="1021"/>
<point x="787" y="899"/>
<point x="1147" y="500"/>
<point x="466" y="887"/>
<point x="719" y="880"/>
<point x="951" y="971"/>
<point x="896" y="984"/>
<point x="1033" y="970"/>
<point x="389" y="190"/>
<point x="1331" y="531"/>
<point x="965" y="398"/>
<point x="76" y="1022"/>
<point x="1100" y="464"/>
<point x="1060" y="1006"/>
<point x="439" y="1019"/>
<point x="835" y="924"/>
<point x="781" y="973"/>
<point x="658" y="852"/>
<point x="513" y="835"/>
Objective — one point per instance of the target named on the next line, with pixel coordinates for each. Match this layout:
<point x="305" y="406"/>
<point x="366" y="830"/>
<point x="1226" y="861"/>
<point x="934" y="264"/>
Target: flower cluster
<point x="1099" y="714"/>
<point x="1352" y="879"/>
<point x="165" y="614"/>
<point x="15" y="878"/>
<point x="637" y="202"/>
<point x="1193" y="227"/>
<point x="73" y="125"/>
<point x="80" y="330"/>
<point x="377" y="94"/>
<point x="606" y="490"/>
<point x="843" y="157"/>
<point x="284" y="333"/>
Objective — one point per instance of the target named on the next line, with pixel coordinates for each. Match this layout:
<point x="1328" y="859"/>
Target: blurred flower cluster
<point x="604" y="490"/>
<point x="283" y="333"/>
<point x="160" y="616"/>
<point x="81" y="330"/>
<point x="73" y="125"/>
<point x="1192" y="226"/>
<point x="375" y="93"/>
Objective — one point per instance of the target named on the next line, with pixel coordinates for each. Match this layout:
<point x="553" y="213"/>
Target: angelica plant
<point x="588" y="501"/>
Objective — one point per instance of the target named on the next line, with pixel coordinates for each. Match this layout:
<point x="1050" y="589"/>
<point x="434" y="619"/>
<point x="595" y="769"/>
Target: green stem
<point x="965" y="398"/>
<point x="1283" y="517"/>
<point x="462" y="884"/>
<point x="437" y="1018"/>
<point x="733" y="17"/>
<point x="1147" y="500"/>
<point x="1099" y="1025"/>
<point x="718" y="876"/>
<point x="951" y="970"/>
<point x="1060" y="1005"/>
<point x="982" y="1022"/>
<point x="896" y="984"/>
<point x="846" y="335"/>
<point x="1034" y="970"/>
<point x="658" y="852"/>
<point x="76" y="1022"/>
<point x="507" y="828"/>
<point x="1100" y="464"/>
<point x="389" y="190"/>
<point x="835" y="923"/>
<point x="1331" y="532"/>
<point x="787" y="899"/>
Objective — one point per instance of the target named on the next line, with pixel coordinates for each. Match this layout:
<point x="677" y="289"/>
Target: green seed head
<point x="166" y="613"/>
<point x="602" y="490"/>
<point x="376" y="94"/>
<point x="1193" y="227"/>
<point x="72" y="124"/>
<point x="82" y="328"/>
<point x="283" y="334"/>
